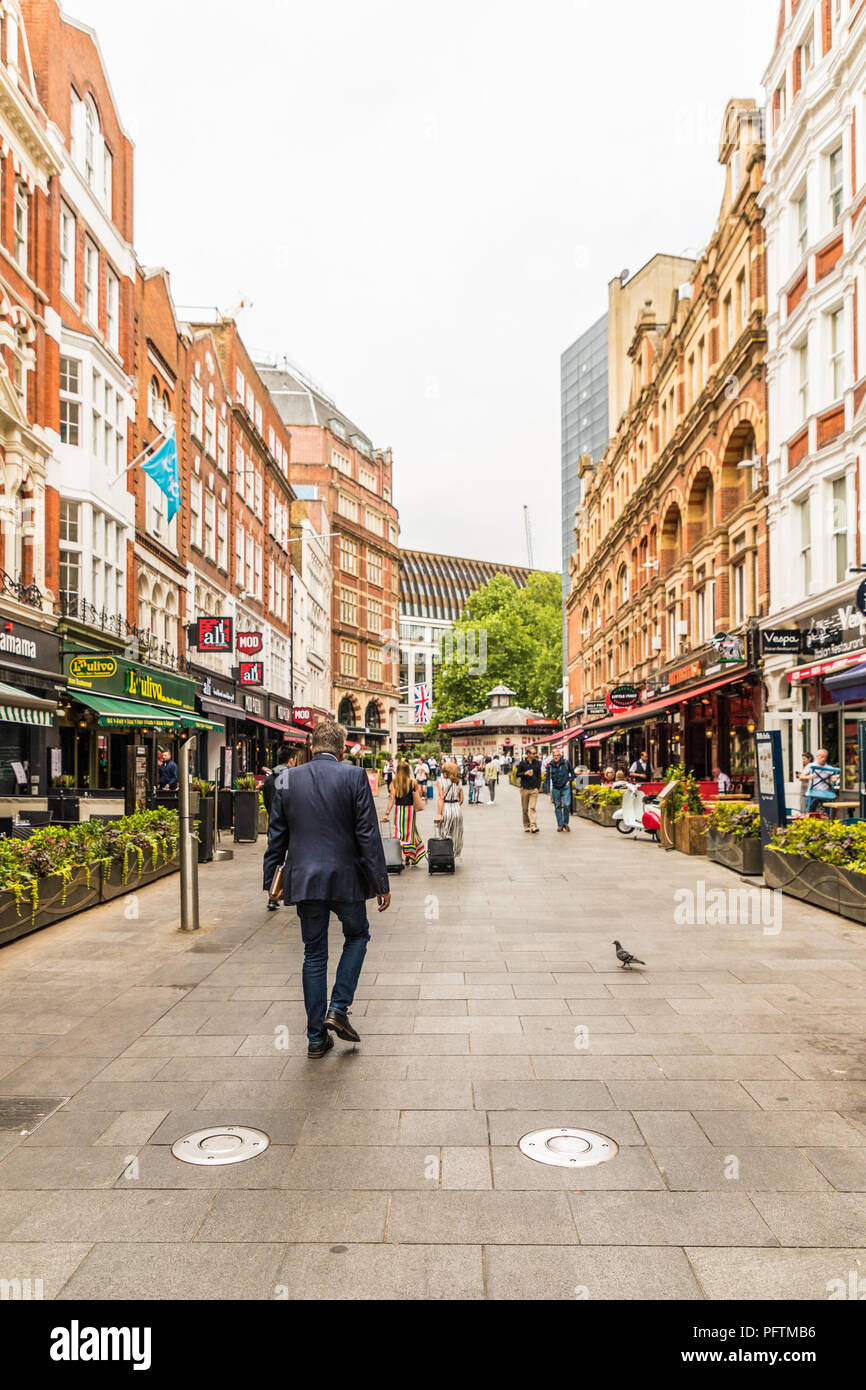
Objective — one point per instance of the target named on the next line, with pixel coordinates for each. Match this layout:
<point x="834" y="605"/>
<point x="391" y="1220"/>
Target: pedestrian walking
<point x="480" y="783"/>
<point x="406" y="801"/>
<point x="323" y="835"/>
<point x="561" y="772"/>
<point x="449" y="811"/>
<point x="167" y="774"/>
<point x="805" y="779"/>
<point x="491" y="777"/>
<point x="388" y="773"/>
<point x="529" y="774"/>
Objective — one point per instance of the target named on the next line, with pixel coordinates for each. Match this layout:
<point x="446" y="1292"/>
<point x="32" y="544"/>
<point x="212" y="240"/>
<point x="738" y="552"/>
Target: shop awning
<point x="125" y="714"/>
<point x="558" y="740"/>
<point x="223" y="708"/>
<point x="850" y="685"/>
<point x="593" y="743"/>
<point x="290" y="735"/>
<point x="642" y="712"/>
<point x="200" y="724"/>
<point x="827" y="668"/>
<point x="20" y="707"/>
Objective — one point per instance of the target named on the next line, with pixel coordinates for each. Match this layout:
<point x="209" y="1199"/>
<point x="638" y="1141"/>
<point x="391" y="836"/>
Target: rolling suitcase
<point x="440" y="856"/>
<point x="393" y="854"/>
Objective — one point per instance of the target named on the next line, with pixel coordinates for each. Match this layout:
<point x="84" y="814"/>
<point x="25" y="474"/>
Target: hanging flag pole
<point x="154" y="444"/>
<point x="160" y="462"/>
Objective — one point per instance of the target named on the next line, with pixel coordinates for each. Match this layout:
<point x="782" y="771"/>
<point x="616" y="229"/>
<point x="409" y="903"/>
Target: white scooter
<point x="640" y="812"/>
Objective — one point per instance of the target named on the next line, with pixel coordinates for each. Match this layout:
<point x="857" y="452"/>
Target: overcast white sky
<point x="424" y="204"/>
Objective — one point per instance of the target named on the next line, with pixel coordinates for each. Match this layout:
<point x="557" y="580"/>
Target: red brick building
<point x="334" y="461"/>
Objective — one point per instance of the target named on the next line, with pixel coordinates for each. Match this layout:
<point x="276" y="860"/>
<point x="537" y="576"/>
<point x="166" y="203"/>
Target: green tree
<point x="522" y="632"/>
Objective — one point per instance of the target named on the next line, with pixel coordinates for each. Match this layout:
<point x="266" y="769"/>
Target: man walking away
<point x="324" y="831"/>
<point x="561" y="772"/>
<point x="491" y="777"/>
<point x="529" y="773"/>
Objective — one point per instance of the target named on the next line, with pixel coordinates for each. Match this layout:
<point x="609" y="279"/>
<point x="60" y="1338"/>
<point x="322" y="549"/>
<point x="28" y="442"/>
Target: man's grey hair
<point x="329" y="737"/>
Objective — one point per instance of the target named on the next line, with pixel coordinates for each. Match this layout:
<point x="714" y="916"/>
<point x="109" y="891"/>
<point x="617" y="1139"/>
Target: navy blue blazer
<point x="324" y="828"/>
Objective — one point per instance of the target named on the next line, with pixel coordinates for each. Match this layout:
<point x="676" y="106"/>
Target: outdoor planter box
<point x="205" y="825"/>
<point x="15" y="922"/>
<point x="112" y="885"/>
<point x="225" y="809"/>
<point x="821" y="885"/>
<point x="690" y="834"/>
<point x="743" y="856"/>
<point x="52" y="906"/>
<point x="246" y="817"/>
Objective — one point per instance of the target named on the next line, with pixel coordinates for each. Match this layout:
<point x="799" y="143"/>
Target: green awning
<point x="20" y="707"/>
<point x="126" y="714"/>
<point x="204" y="726"/>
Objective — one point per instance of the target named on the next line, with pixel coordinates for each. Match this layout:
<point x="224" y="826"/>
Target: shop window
<point x="346" y="713"/>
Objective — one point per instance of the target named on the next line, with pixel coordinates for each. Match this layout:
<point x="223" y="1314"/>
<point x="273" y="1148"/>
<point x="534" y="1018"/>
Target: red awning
<point x="640" y="712"/>
<point x="558" y="740"/>
<point x="269" y="724"/>
<point x="593" y="743"/>
<point x="827" y="668"/>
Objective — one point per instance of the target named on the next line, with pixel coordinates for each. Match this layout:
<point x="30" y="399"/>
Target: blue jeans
<point x="561" y="797"/>
<point x="315" y="917"/>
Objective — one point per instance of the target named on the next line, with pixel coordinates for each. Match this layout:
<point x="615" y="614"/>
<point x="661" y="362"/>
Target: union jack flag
<point x="422" y="704"/>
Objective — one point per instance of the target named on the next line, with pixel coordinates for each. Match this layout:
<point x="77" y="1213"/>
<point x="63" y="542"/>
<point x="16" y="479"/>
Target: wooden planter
<point x="690" y="834"/>
<point x="743" y="856"/>
<point x="821" y="885"/>
<point x="112" y="875"/>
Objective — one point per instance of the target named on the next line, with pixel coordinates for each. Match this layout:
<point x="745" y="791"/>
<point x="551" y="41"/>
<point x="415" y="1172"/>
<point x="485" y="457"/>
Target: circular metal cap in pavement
<point x="568" y="1148"/>
<point x="220" y="1144"/>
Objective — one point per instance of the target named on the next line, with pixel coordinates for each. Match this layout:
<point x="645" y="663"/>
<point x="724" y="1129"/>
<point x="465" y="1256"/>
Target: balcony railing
<point x="27" y="594"/>
<point x="141" y="643"/>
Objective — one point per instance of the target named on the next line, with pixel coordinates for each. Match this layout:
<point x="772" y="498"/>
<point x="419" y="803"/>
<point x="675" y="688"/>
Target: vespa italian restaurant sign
<point x="110" y="675"/>
<point x="624" y="697"/>
<point x="835" y="632"/>
<point x="781" y="641"/>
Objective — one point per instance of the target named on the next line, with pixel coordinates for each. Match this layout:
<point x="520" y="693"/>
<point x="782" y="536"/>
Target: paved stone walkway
<point x="730" y="1071"/>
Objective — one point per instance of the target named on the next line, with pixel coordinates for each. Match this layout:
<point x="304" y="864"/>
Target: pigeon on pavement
<point x="625" y="956"/>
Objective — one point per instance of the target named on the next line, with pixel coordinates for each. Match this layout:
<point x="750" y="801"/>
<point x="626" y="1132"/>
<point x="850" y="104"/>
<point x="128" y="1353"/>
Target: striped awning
<point x="20" y="707"/>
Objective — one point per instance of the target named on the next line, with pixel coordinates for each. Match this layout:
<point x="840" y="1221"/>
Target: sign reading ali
<point x="212" y="634"/>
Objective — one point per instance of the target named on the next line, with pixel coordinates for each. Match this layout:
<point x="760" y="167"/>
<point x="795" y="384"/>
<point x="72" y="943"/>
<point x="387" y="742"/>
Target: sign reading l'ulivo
<point x="111" y="675"/>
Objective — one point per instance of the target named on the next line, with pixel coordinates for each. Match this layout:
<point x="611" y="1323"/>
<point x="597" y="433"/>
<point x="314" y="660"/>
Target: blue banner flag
<point x="163" y="468"/>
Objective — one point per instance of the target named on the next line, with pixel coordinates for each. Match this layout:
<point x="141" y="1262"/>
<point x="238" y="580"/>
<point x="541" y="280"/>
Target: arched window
<point x="144" y="609"/>
<point x="91" y="132"/>
<point x="373" y="717"/>
<point x="346" y="713"/>
<point x="153" y="400"/>
<point x="622" y="585"/>
<point x="170" y="626"/>
<point x="596" y="614"/>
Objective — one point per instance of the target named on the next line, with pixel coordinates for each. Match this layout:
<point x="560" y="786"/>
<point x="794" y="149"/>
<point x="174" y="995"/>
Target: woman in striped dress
<point x="406" y="801"/>
<point x="449" y="814"/>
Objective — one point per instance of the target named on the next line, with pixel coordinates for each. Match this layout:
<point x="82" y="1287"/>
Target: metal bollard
<point x="188" y="845"/>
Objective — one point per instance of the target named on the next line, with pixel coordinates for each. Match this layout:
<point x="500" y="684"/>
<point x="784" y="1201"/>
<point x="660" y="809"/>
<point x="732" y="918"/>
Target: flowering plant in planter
<point x="202" y="786"/>
<point x="247" y="783"/>
<point x="60" y="851"/>
<point x="737" y="819"/>
<point x="685" y="797"/>
<point x="600" y="796"/>
<point x="827" y="841"/>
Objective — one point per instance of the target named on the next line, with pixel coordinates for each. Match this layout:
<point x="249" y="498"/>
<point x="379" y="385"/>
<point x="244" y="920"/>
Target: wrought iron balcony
<point x="27" y="594"/>
<point x="140" y="644"/>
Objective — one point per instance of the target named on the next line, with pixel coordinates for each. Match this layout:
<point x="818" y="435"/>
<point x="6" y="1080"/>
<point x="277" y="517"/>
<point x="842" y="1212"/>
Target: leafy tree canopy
<point x="522" y="631"/>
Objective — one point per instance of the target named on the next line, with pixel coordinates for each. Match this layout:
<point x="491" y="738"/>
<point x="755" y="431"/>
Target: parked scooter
<point x="638" y="812"/>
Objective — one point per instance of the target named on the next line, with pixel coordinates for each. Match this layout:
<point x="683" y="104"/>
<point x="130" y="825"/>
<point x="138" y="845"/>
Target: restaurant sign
<point x="28" y="648"/>
<point x="279" y="711"/>
<point x="303" y="715"/>
<point x="835" y="632"/>
<point x="622" y="698"/>
<point x="251" y="673"/>
<point x="781" y="641"/>
<point x="110" y="675"/>
<point x="211" y="634"/>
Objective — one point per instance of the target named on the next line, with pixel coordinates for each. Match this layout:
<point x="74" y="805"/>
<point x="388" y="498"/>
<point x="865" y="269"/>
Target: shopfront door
<point x="800" y="735"/>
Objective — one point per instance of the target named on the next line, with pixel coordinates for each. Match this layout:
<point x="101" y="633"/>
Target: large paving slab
<point x="729" y="1072"/>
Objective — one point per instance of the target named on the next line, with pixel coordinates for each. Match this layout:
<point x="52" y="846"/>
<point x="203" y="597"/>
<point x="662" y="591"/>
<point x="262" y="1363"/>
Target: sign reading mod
<point x="250" y="643"/>
<point x="211" y="634"/>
